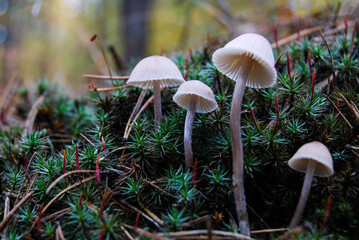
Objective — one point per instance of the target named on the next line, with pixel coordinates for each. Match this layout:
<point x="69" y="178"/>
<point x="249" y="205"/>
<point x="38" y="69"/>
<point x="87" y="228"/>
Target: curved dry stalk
<point x="157" y="224"/>
<point x="15" y="209"/>
<point x="59" y="195"/>
<point x="135" y="109"/>
<point x="145" y="233"/>
<point x="110" y="89"/>
<point x="103" y="77"/>
<point x="340" y="113"/>
<point x="59" y="234"/>
<point x="204" y="231"/>
<point x="143" y="108"/>
<point x="308" y="31"/>
<point x="65" y="175"/>
<point x="269" y="230"/>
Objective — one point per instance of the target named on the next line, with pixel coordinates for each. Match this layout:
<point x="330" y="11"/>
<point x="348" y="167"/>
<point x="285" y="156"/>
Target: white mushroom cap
<point x="313" y="151"/>
<point x="155" y="68"/>
<point x="249" y="46"/>
<point x="205" y="97"/>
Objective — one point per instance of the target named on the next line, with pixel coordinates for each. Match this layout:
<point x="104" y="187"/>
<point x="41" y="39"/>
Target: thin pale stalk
<point x="135" y="110"/>
<point x="15" y="209"/>
<point x="102" y="77"/>
<point x="157" y="102"/>
<point x="304" y="194"/>
<point x="188" y="133"/>
<point x="237" y="150"/>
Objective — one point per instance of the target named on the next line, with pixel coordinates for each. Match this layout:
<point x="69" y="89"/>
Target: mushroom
<point x="315" y="160"/>
<point x="195" y="96"/>
<point x="248" y="60"/>
<point x="155" y="72"/>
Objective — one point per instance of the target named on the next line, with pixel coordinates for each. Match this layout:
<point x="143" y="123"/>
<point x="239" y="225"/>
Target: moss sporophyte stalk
<point x="74" y="174"/>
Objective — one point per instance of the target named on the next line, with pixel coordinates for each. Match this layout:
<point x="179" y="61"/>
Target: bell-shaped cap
<point x="205" y="101"/>
<point x="247" y="47"/>
<point x="155" y="68"/>
<point x="313" y="151"/>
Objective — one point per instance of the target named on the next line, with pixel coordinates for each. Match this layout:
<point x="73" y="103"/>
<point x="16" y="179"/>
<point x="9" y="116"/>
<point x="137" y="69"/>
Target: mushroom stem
<point x="237" y="149"/>
<point x="188" y="133"/>
<point x="157" y="102"/>
<point x="304" y="194"/>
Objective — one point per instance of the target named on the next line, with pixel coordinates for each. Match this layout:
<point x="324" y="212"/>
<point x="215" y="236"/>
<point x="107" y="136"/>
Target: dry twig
<point x="65" y="175"/>
<point x="15" y="209"/>
<point x="103" y="77"/>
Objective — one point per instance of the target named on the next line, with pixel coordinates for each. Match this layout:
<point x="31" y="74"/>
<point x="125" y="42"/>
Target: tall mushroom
<point x="315" y="160"/>
<point x="195" y="96"/>
<point x="155" y="72"/>
<point x="248" y="60"/>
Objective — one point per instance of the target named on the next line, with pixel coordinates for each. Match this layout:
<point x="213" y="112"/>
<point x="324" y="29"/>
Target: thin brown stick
<point x="341" y="114"/>
<point x="157" y="187"/>
<point x="152" y="215"/>
<point x="59" y="195"/>
<point x="88" y="140"/>
<point x="195" y="221"/>
<point x="57" y="214"/>
<point x="351" y="106"/>
<point x="65" y="175"/>
<point x="269" y="230"/>
<point x="331" y="56"/>
<point x="204" y="231"/>
<point x="142" y="213"/>
<point x="308" y="31"/>
<point x="110" y="89"/>
<point x="31" y="183"/>
<point x="293" y="37"/>
<point x="128" y="235"/>
<point x="145" y="233"/>
<point x="93" y="51"/>
<point x="15" y="209"/>
<point x="59" y="233"/>
<point x="105" y="58"/>
<point x="103" y="77"/>
<point x="7" y="205"/>
<point x="135" y="110"/>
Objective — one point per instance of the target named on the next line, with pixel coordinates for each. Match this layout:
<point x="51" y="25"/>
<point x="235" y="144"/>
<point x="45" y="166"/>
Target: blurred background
<point x="51" y="38"/>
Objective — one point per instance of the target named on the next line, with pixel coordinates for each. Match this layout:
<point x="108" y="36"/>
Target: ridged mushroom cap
<point x="249" y="46"/>
<point x="155" y="68"/>
<point x="313" y="151"/>
<point x="205" y="97"/>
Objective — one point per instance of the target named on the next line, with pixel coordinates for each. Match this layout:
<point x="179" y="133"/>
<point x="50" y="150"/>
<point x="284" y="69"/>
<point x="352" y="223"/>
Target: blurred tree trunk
<point x="13" y="20"/>
<point x="135" y="18"/>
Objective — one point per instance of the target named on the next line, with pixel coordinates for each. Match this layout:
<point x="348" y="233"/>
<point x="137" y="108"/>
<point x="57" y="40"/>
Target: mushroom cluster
<point x="249" y="61"/>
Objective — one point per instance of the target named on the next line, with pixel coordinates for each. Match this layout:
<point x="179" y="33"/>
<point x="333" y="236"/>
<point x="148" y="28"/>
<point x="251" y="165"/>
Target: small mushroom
<point x="248" y="60"/>
<point x="315" y="160"/>
<point x="195" y="96"/>
<point x="155" y="72"/>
